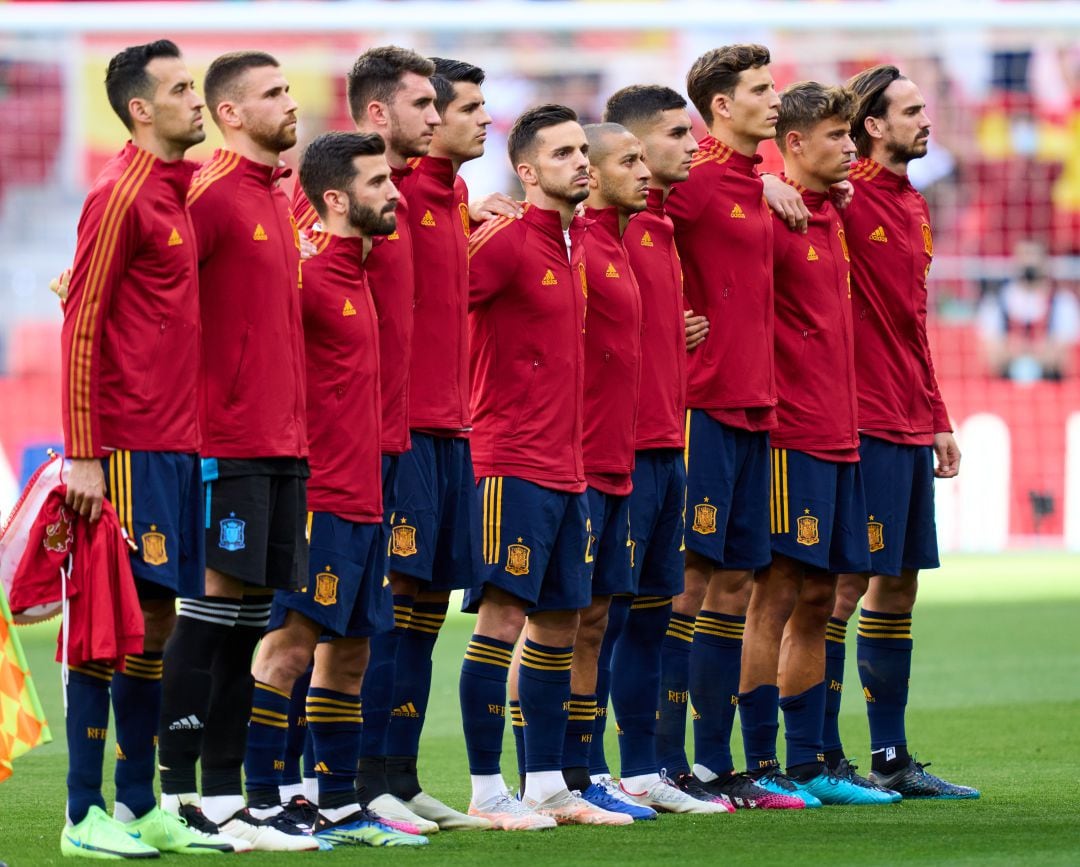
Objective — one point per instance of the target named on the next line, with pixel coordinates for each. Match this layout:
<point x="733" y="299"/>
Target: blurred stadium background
<point x="1002" y="80"/>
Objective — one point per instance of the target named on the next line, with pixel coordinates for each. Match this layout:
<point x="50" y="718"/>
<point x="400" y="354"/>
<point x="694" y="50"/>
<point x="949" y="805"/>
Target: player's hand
<point x="787" y="202"/>
<point x="59" y="285"/>
<point x="307" y="246"/>
<point x="842" y="193"/>
<point x="948" y="456"/>
<point x="697" y="329"/>
<point x="86" y="487"/>
<point x="495" y="205"/>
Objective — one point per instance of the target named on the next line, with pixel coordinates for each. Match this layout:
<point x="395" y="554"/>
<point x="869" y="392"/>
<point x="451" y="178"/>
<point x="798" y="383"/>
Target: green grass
<point x="995" y="703"/>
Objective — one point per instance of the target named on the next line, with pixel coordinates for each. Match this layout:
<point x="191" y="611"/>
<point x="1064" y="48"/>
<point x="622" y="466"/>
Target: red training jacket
<point x="612" y="356"/>
<point x="527" y="316"/>
<point x="888" y="234"/>
<point x="724" y="234"/>
<point x="130" y="339"/>
<point x="815" y="355"/>
<point x="253" y="340"/>
<point x="649" y="241"/>
<point x="344" y="407"/>
<point x="439" y="367"/>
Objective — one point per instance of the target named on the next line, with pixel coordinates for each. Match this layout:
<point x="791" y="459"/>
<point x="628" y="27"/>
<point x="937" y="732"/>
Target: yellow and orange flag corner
<point x="22" y="721"/>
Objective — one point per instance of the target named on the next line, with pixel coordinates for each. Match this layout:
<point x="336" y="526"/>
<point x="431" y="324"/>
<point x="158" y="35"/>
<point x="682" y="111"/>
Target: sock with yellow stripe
<point x="617" y="611"/>
<point x="674" y="694"/>
<point x="517" y="727"/>
<point x="268" y="732"/>
<point x="635" y="683"/>
<point x="334" y="721"/>
<point x="136" y="701"/>
<point x="378" y="694"/>
<point x="715" y="663"/>
<point x="580" y="723"/>
<point x="884" y="655"/>
<point x="544" y="692"/>
<point x="87" y="728"/>
<point x="835" y="652"/>
<point x="412" y="687"/>
<point x="482" y="690"/>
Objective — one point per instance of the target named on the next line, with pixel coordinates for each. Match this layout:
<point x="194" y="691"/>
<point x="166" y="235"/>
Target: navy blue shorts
<point x="158" y="498"/>
<point x="347" y="592"/>
<point x="899" y="485"/>
<point x="435" y="535"/>
<point x="656" y="522"/>
<point x="816" y="512"/>
<point x="533" y="545"/>
<point x="607" y="556"/>
<point x="727" y="493"/>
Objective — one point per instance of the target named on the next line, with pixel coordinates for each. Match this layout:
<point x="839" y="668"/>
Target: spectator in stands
<point x="1029" y="324"/>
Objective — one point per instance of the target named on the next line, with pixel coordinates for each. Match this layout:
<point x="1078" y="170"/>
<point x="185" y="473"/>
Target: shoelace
<point x="774" y="776"/>
<point x="516" y="808"/>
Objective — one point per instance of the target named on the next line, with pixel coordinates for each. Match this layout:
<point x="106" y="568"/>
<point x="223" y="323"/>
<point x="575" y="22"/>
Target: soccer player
<point x="254" y="447"/>
<point x="527" y="299"/>
<point x="130" y="349"/>
<point x="816" y="499"/>
<point x="724" y="235"/>
<point x="903" y="422"/>
<point x="435" y="537"/>
<point x="637" y="621"/>
<point x="346" y="176"/>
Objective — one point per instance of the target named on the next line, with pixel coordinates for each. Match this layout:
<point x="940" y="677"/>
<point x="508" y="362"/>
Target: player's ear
<point x="526" y="174"/>
<point x="793" y="141"/>
<point x="228" y="115"/>
<point x="721" y="105"/>
<point x="875" y="126"/>
<point x="594" y="177"/>
<point x="141" y="110"/>
<point x="336" y="202"/>
<point x="378" y="114"/>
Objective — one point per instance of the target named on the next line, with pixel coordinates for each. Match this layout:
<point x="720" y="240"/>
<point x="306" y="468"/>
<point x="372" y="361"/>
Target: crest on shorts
<point x="806" y="529"/>
<point x="875" y="533"/>
<point x="403" y="540"/>
<point x="927" y="239"/>
<point x="704" y="518"/>
<point x="153" y="547"/>
<point x="517" y="558"/>
<point x="232" y="533"/>
<point x="326" y="588"/>
<point x="58" y="534"/>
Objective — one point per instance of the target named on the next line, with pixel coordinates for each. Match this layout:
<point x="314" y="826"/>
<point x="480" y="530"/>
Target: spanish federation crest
<point x="517" y="558"/>
<point x="154" y="552"/>
<point x="232" y="533"/>
<point x="463" y="209"/>
<point x="704" y="518"/>
<point x="403" y="540"/>
<point x="927" y="239"/>
<point x="326" y="588"/>
<point x="806" y="529"/>
<point x="875" y="532"/>
<point x="58" y="534"/>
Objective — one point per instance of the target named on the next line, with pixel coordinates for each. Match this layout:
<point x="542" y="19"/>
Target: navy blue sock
<point x="884" y="653"/>
<point x="674" y="694"/>
<point x="803" y="715"/>
<point x="835" y="636"/>
<point x="581" y="720"/>
<point x="87" y="728"/>
<point x="378" y="687"/>
<point x="268" y="732"/>
<point x="412" y="680"/>
<point x="617" y="611"/>
<point x="297" y="737"/>
<point x="334" y="722"/>
<point x="136" y="701"/>
<point x="758" y="710"/>
<point x="482" y="689"/>
<point x="517" y="726"/>
<point x="635" y="683"/>
<point x="544" y="692"/>
<point x="715" y="663"/>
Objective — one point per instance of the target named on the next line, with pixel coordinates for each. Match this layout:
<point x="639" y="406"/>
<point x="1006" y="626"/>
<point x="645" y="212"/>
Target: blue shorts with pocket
<point x="656" y="522"/>
<point x="607" y="556"/>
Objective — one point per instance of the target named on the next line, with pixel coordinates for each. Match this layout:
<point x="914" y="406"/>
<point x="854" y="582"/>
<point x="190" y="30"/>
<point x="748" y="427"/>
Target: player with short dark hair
<point x="903" y="421"/>
<point x="724" y="234"/>
<point x="527" y="302"/>
<point x="435" y="537"/>
<point x="254" y="448"/>
<point x="816" y="499"/>
<point x="346" y="176"/>
<point x="130" y="354"/>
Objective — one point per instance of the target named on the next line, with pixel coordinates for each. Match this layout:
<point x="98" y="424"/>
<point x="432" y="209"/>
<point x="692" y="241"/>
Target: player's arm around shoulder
<point x="495" y="251"/>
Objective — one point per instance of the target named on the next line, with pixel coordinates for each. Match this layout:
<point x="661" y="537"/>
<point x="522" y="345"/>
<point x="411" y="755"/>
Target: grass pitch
<point x="995" y="703"/>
